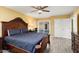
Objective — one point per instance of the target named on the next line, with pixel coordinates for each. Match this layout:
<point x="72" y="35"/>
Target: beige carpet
<point x="59" y="45"/>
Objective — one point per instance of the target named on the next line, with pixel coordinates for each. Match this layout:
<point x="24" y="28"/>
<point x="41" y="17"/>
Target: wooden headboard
<point x="16" y="23"/>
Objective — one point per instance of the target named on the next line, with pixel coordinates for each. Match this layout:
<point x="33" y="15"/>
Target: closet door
<point x="62" y="28"/>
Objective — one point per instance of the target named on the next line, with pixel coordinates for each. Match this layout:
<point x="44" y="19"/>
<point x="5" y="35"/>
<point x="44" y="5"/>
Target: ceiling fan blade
<point x="39" y="7"/>
<point x="34" y="10"/>
<point x="44" y="7"/>
<point x="46" y="10"/>
<point x="35" y="7"/>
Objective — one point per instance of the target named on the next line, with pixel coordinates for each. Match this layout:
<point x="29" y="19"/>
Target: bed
<point x="31" y="42"/>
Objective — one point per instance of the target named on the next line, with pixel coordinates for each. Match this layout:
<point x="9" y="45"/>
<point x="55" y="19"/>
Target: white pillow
<point x="8" y="32"/>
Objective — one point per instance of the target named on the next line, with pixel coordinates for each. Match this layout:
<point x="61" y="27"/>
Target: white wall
<point x="74" y="17"/>
<point x="62" y="28"/>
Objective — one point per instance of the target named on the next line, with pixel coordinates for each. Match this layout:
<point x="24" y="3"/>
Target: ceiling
<point x="54" y="10"/>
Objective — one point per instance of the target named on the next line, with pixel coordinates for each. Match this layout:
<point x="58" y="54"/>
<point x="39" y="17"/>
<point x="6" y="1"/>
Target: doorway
<point x="44" y="26"/>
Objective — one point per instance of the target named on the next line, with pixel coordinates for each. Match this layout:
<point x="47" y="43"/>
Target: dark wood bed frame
<point x="16" y="24"/>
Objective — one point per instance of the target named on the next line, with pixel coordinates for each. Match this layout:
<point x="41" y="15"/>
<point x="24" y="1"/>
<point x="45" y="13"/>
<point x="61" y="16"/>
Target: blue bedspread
<point x="26" y="41"/>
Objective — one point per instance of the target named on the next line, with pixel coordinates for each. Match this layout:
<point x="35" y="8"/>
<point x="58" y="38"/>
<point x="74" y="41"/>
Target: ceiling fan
<point x="40" y="9"/>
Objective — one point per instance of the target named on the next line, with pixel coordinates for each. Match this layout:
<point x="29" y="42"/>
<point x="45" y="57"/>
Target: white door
<point x="62" y="28"/>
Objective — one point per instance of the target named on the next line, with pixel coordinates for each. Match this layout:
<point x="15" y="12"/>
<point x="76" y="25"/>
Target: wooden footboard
<point x="15" y="49"/>
<point x="43" y="44"/>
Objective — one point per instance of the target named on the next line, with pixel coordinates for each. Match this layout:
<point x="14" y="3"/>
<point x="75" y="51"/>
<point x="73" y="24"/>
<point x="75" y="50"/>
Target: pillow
<point x="24" y="30"/>
<point x="8" y="32"/>
<point x="14" y="32"/>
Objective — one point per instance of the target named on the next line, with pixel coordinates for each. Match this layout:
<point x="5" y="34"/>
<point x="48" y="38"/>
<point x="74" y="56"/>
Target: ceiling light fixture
<point x="39" y="11"/>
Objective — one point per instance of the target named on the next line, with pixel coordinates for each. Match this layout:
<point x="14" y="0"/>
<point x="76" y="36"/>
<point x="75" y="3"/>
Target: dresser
<point x="75" y="43"/>
<point x="0" y="45"/>
<point x="75" y="34"/>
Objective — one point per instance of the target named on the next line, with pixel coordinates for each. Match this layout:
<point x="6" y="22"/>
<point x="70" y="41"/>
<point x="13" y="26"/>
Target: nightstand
<point x="0" y="45"/>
